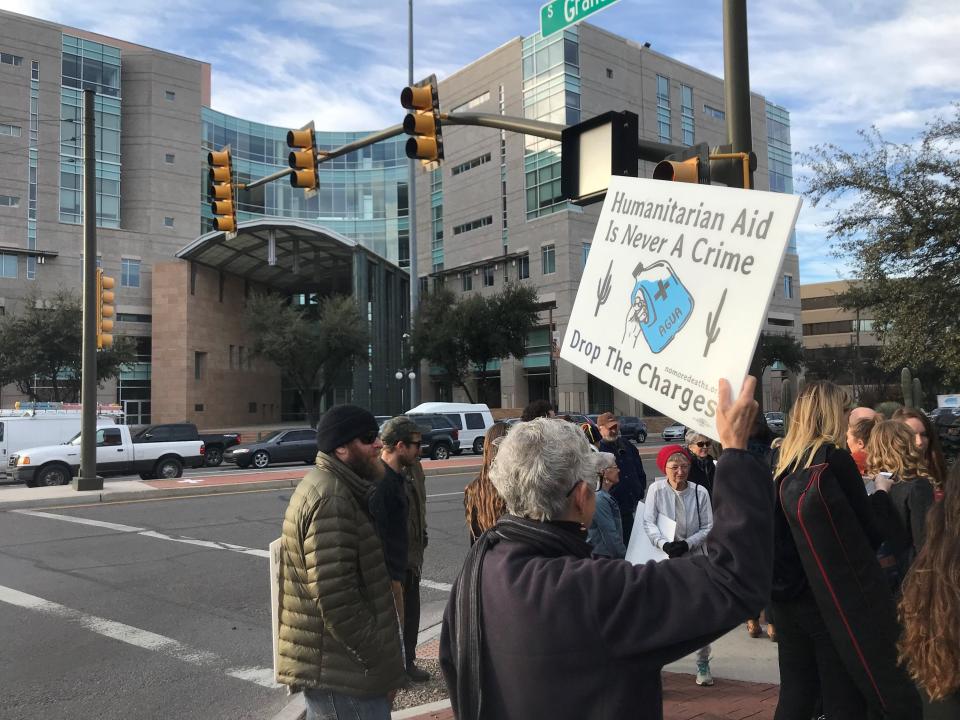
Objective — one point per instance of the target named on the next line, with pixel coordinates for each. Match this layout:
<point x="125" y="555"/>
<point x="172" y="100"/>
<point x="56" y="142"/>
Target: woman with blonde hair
<point x="481" y="501"/>
<point x="930" y="609"/>
<point x="831" y="645"/>
<point x="891" y="450"/>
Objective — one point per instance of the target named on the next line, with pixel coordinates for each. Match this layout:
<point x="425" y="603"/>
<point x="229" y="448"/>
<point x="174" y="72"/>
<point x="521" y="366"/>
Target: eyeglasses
<point x="678" y="468"/>
<point x="595" y="485"/>
<point x="414" y="443"/>
<point x="704" y="444"/>
<point x="369" y="438"/>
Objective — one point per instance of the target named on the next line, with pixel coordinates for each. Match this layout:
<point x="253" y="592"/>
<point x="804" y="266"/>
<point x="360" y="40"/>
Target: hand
<point x="735" y="419"/>
<point x="883" y="482"/>
<point x="676" y="549"/>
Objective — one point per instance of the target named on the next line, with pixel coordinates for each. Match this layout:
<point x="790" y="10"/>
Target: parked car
<point x="774" y="421"/>
<point x="439" y="439"/>
<point x="287" y="445"/>
<point x="117" y="454"/>
<point x="580" y="419"/>
<point x="215" y="444"/>
<point x="23" y="430"/>
<point x="381" y="419"/>
<point x="674" y="433"/>
<point x="633" y="428"/>
<point x="471" y="419"/>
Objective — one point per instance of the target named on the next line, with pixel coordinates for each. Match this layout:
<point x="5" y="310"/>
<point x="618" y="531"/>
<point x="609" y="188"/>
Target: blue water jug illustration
<point x="659" y="306"/>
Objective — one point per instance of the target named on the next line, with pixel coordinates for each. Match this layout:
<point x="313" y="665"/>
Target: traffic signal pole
<point x="412" y="216"/>
<point x="736" y="78"/>
<point x="87" y="479"/>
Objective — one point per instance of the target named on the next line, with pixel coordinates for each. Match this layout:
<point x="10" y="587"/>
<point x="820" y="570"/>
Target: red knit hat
<point x="667" y="451"/>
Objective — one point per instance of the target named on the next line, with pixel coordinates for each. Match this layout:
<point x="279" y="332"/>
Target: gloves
<point x="676" y="548"/>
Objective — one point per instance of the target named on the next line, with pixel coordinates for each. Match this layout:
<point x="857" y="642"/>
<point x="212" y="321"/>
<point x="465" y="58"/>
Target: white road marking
<point x="209" y="544"/>
<point x="135" y="636"/>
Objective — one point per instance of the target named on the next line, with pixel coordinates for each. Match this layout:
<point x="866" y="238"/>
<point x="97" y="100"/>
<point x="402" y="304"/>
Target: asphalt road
<point x="117" y="611"/>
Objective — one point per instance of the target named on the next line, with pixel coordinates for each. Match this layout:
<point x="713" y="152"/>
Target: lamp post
<point x="401" y="375"/>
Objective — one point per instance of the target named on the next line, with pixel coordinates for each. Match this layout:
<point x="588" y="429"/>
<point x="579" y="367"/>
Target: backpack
<point x="850" y="589"/>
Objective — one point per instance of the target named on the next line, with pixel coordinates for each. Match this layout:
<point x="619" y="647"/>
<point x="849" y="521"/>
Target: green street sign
<point x="558" y="14"/>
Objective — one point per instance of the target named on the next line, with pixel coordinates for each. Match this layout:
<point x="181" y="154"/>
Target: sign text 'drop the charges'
<point x="558" y="14"/>
<point x="676" y="289"/>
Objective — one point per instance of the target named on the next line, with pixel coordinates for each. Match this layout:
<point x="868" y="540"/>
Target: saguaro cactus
<point x="906" y="386"/>
<point x="917" y="394"/>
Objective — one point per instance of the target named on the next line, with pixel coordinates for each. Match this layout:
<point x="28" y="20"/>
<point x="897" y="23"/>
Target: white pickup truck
<point x="117" y="454"/>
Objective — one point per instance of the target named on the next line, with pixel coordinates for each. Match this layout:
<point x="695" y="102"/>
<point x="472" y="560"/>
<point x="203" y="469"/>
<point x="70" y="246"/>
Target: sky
<point x="836" y="66"/>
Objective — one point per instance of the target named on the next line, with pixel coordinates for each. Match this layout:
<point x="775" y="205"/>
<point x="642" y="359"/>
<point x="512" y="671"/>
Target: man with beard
<point x="339" y="636"/>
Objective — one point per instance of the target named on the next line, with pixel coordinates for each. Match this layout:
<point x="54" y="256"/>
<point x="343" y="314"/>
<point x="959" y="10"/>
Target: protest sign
<point x="676" y="289"/>
<point x="640" y="549"/>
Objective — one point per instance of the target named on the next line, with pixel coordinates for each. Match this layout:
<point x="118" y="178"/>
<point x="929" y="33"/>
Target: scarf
<point x="549" y="540"/>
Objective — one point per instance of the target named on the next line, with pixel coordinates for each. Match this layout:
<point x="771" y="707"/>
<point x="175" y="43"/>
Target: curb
<point x="99" y="496"/>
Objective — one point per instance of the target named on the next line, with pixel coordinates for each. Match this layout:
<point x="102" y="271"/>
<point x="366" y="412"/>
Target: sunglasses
<point x="703" y="444"/>
<point x="595" y="485"/>
<point x="369" y="438"/>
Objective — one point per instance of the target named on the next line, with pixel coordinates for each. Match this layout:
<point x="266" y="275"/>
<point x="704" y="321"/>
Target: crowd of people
<point x="845" y="532"/>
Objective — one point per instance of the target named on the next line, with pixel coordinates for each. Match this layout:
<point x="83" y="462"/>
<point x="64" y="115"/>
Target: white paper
<point x="676" y="289"/>
<point x="275" y="549"/>
<point x="640" y="549"/>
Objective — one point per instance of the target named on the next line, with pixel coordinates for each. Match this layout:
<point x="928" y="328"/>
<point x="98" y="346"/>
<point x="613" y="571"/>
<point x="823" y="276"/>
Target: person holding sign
<point x="688" y="505"/>
<point x="534" y="625"/>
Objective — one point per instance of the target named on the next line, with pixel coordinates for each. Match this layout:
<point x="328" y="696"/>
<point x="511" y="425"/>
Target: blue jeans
<point x="325" y="705"/>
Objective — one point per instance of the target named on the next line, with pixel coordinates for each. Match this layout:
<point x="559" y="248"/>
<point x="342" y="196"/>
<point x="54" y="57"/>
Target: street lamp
<point x="411" y="375"/>
<point x="401" y="374"/>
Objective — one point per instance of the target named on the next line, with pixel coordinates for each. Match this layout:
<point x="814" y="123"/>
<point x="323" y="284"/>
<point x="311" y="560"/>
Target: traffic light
<point x="303" y="158"/>
<point x="690" y="166"/>
<point x="222" y="191"/>
<point x="423" y="123"/>
<point x="105" y="311"/>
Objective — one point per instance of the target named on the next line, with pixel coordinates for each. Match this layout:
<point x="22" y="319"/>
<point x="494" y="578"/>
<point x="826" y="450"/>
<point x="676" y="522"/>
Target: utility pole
<point x="87" y="479"/>
<point x="736" y="77"/>
<point x="412" y="216"/>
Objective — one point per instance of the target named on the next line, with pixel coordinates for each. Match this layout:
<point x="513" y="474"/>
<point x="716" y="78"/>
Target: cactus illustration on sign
<point x="713" y="320"/>
<point x="603" y="289"/>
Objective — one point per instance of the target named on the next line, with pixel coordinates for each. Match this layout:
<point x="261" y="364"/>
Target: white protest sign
<point x="676" y="289"/>
<point x="640" y="549"/>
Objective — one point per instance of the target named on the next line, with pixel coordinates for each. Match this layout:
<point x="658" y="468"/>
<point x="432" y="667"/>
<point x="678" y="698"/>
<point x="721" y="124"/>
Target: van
<point x="26" y="430"/>
<point x="471" y="420"/>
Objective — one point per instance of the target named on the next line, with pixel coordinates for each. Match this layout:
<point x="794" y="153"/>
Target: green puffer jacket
<point x="338" y="624"/>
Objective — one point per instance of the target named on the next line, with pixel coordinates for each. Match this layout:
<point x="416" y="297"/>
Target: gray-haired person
<point x="606" y="531"/>
<point x="534" y="624"/>
<point x="702" y="464"/>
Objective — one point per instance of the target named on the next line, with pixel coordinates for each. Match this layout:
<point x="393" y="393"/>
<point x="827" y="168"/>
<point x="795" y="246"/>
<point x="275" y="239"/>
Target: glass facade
<point x="32" y="167"/>
<point x="362" y="195"/>
<point x="436" y="219"/>
<point x="663" y="108"/>
<point x="90" y="65"/>
<point x="551" y="92"/>
<point x="780" y="156"/>
<point x="686" y="114"/>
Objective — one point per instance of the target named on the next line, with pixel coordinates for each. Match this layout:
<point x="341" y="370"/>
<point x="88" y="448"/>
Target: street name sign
<point x="676" y="289"/>
<point x="558" y="14"/>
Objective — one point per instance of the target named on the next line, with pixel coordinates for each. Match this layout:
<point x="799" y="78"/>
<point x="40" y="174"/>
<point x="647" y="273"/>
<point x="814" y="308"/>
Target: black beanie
<point x="341" y="424"/>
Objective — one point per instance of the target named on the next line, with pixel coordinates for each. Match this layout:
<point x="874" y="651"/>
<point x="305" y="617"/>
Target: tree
<point x="312" y="344"/>
<point x="771" y="348"/>
<point x="464" y="337"/>
<point x="899" y="225"/>
<point x="41" y="349"/>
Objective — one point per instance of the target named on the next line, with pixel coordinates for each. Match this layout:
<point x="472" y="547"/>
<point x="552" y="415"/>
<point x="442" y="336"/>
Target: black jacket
<point x="567" y="636"/>
<point x="633" y="480"/>
<point x="701" y="472"/>
<point x="389" y="508"/>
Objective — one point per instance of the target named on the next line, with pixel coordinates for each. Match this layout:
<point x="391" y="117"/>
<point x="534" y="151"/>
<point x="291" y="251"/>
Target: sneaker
<point x="703" y="673"/>
<point x="417" y="674"/>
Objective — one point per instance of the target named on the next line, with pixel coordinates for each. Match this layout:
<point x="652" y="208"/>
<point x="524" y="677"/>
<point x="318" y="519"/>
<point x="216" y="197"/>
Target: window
<point x="8" y="59"/>
<point x="585" y="254"/>
<point x="548" y="258"/>
<point x="788" y="286"/>
<point x="488" y="271"/>
<point x="523" y="267"/>
<point x="474" y="421"/>
<point x="470" y="104"/>
<point x="473" y="225"/>
<point x="251" y="407"/>
<point x="168" y="221"/>
<point x="8" y="265"/>
<point x="109" y="436"/>
<point x="467" y="281"/>
<point x="9" y="201"/>
<point x="686" y="114"/>
<point x="11" y="130"/>
<point x="819" y="303"/>
<point x="129" y="273"/>
<point x="663" y="108"/>
<point x="134" y="318"/>
<point x="170" y="95"/>
<point x="713" y="112"/>
<point x="199" y="365"/>
<point x="169" y="158"/>
<point x="198" y="407"/>
<point x="834" y="327"/>
<point x="470" y="164"/>
<point x="780" y="322"/>
<point x="609" y="73"/>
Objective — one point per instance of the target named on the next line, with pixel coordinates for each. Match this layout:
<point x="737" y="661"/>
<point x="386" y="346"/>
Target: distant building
<point x="826" y="324"/>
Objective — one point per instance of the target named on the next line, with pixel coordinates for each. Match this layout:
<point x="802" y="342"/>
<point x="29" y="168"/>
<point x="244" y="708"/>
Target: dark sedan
<point x="280" y="446"/>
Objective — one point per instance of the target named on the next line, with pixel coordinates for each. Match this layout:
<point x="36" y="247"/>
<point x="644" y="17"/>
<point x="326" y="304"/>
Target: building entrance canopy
<point x="289" y="255"/>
